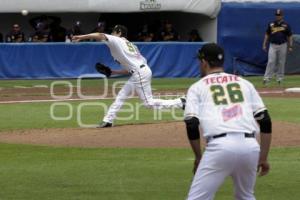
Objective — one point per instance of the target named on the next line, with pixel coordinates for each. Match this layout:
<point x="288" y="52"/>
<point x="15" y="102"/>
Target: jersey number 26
<point x="233" y="90"/>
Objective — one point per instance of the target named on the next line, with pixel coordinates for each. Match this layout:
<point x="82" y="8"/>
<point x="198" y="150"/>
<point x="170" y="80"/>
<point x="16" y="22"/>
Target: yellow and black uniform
<point x="279" y="35"/>
<point x="278" y="31"/>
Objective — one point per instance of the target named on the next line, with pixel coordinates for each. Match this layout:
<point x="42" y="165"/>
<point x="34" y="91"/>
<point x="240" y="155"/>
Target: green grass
<point x="157" y="83"/>
<point x="33" y="172"/>
<point x="282" y="182"/>
<point x="38" y="115"/>
<point x="284" y="109"/>
<point x="74" y="82"/>
<point x="289" y="81"/>
<point x="30" y="172"/>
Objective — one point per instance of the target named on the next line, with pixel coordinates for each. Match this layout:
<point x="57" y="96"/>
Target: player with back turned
<point x="230" y="113"/>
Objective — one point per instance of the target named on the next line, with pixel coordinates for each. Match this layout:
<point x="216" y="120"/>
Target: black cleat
<point x="105" y="125"/>
<point x="183" y="100"/>
<point x="279" y="82"/>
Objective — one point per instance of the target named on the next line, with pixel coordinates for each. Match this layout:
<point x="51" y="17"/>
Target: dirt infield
<point x="19" y="94"/>
<point x="167" y="135"/>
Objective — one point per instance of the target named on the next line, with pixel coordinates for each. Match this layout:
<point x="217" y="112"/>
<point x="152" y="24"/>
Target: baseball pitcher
<point x="128" y="55"/>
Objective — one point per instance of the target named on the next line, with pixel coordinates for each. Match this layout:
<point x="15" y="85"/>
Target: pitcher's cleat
<point x="105" y="125"/>
<point x="183" y="100"/>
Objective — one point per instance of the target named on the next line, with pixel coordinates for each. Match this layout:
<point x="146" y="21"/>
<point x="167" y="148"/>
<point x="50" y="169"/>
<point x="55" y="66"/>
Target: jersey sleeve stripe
<point x="259" y="110"/>
<point x="190" y="115"/>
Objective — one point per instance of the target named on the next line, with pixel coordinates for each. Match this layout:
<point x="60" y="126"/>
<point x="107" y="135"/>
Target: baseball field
<point x="50" y="148"/>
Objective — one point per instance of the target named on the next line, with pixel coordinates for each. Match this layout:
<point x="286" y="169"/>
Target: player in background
<point x="280" y="37"/>
<point x="127" y="54"/>
<point x="231" y="114"/>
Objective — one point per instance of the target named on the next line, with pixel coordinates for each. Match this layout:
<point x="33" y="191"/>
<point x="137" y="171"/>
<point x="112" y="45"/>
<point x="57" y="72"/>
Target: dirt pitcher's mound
<point x="148" y="135"/>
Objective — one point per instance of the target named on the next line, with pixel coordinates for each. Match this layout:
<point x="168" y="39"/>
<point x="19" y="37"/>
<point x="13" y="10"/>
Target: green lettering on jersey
<point x="218" y="95"/>
<point x="235" y="94"/>
<point x="132" y="47"/>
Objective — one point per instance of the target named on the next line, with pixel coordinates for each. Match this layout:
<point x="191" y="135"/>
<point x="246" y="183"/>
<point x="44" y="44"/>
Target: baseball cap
<point x="278" y="12"/>
<point x="122" y="29"/>
<point x="212" y="53"/>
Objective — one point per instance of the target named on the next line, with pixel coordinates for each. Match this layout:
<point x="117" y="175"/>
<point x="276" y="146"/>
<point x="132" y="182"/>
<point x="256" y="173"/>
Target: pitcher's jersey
<point x="224" y="103"/>
<point x="125" y="53"/>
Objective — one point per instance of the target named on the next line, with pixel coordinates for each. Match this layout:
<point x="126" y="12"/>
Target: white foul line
<point x="47" y="100"/>
<point x="271" y="92"/>
<point x="62" y="100"/>
<point x="105" y="98"/>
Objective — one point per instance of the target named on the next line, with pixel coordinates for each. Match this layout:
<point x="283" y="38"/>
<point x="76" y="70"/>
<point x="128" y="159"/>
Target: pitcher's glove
<point x="103" y="69"/>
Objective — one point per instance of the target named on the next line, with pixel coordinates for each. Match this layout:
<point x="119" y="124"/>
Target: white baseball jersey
<point x="224" y="103"/>
<point x="128" y="55"/>
<point x="125" y="53"/>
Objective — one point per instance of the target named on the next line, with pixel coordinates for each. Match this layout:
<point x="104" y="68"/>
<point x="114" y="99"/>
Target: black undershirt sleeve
<point x="264" y="120"/>
<point x="192" y="128"/>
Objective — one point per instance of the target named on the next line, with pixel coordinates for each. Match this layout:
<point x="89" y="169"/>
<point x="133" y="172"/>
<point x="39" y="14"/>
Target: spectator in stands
<point x="1" y="37"/>
<point x="194" y="36"/>
<point x="100" y="27"/>
<point x="15" y="35"/>
<point x="168" y="33"/>
<point x="41" y="20"/>
<point x="41" y="33"/>
<point x="47" y="29"/>
<point x="145" y="35"/>
<point x="57" y="32"/>
<point x="76" y="30"/>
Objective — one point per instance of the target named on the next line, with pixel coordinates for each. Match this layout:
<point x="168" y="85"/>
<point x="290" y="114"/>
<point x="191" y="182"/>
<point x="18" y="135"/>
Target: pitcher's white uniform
<point x="225" y="104"/>
<point x="128" y="55"/>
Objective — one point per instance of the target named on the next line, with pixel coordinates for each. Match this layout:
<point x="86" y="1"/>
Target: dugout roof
<point x="209" y="8"/>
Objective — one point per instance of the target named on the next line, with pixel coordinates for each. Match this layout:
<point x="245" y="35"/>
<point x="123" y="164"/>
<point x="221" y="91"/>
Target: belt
<point x="278" y="43"/>
<point x="247" y="135"/>
<point x="132" y="71"/>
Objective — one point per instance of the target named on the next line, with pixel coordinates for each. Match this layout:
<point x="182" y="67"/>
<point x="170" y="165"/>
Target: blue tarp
<point x="61" y="60"/>
<point x="241" y="29"/>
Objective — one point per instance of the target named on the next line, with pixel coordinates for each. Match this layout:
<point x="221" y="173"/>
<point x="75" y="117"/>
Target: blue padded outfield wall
<point x="61" y="60"/>
<point x="241" y="29"/>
